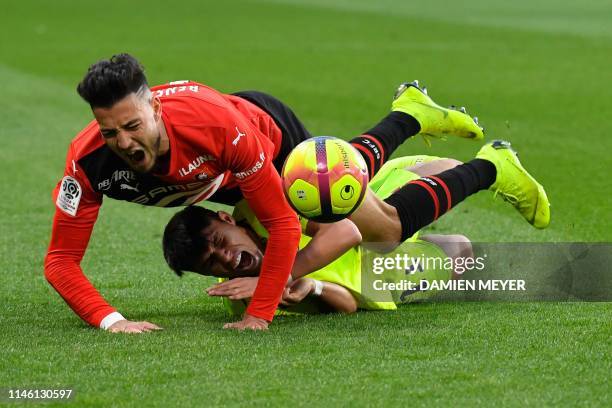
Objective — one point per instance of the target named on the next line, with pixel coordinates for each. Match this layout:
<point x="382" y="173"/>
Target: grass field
<point x="535" y="72"/>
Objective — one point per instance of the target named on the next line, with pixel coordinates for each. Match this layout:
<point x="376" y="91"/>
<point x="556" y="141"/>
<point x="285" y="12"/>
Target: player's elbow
<point x="50" y="267"/>
<point x="53" y="265"/>
<point x="436" y="167"/>
<point x="353" y="234"/>
<point x="286" y="230"/>
<point x="292" y="229"/>
<point x="348" y="306"/>
<point x="344" y="234"/>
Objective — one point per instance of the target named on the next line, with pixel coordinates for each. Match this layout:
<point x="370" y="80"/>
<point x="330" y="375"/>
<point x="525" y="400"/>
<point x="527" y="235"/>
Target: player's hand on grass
<point x="297" y="291"/>
<point x="248" y="322"/>
<point x="235" y="289"/>
<point x="128" y="326"/>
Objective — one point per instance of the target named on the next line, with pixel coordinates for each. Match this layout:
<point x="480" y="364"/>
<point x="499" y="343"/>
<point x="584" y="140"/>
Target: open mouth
<point x="244" y="261"/>
<point x="136" y="157"/>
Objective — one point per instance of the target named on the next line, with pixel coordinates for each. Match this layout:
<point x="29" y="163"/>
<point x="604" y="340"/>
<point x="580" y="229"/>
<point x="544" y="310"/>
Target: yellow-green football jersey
<point x="347" y="269"/>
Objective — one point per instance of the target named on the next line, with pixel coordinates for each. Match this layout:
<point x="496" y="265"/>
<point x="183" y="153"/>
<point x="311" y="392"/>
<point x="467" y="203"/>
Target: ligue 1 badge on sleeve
<point x="69" y="196"/>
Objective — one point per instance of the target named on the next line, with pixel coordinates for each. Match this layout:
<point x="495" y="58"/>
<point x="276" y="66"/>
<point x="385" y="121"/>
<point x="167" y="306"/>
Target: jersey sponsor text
<point x="258" y="165"/>
<point x="194" y="164"/>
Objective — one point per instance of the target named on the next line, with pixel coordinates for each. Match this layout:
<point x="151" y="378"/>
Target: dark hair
<point x="183" y="238"/>
<point x="109" y="81"/>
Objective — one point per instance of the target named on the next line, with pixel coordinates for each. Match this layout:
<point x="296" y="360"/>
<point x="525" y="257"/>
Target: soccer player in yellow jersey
<point x="328" y="266"/>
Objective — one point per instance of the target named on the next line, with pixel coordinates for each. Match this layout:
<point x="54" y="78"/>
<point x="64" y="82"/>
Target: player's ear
<point x="225" y="217"/>
<point x="157" y="107"/>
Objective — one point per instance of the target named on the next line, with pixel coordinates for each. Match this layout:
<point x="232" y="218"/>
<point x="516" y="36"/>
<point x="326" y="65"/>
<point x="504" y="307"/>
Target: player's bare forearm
<point x="329" y="241"/>
<point x="337" y="297"/>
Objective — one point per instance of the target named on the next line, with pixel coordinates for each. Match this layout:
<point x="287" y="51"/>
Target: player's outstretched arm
<point x="69" y="239"/>
<point x="76" y="212"/>
<point x="234" y="289"/>
<point x="337" y="297"/>
<point x="270" y="207"/>
<point x="329" y="242"/>
<point x="260" y="183"/>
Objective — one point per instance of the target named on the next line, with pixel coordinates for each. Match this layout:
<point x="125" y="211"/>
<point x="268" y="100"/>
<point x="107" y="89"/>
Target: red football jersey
<point x="217" y="141"/>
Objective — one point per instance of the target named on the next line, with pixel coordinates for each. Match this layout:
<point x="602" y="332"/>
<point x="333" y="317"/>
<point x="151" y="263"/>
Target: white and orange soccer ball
<point x="325" y="179"/>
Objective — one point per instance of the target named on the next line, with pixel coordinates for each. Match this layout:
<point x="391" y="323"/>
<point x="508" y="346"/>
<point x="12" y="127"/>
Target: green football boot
<point x="435" y="121"/>
<point x="515" y="185"/>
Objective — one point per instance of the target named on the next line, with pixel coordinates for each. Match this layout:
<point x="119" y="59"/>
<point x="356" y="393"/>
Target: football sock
<point x="377" y="144"/>
<point x="422" y="201"/>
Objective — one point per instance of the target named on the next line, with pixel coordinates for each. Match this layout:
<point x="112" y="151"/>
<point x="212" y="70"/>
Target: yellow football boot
<point x="515" y="185"/>
<point x="435" y="121"/>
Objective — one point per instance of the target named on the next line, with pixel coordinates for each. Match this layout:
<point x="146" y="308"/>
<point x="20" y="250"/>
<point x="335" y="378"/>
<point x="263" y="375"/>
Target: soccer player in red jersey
<point x="181" y="143"/>
<point x="170" y="145"/>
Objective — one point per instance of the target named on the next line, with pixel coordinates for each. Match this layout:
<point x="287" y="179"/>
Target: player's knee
<point x="389" y="239"/>
<point x="454" y="246"/>
<point x="435" y="167"/>
<point x="457" y="247"/>
<point x="448" y="164"/>
<point x="460" y="246"/>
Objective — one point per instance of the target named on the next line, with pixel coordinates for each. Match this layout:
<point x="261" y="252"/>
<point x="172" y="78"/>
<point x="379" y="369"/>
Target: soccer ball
<point x="325" y="179"/>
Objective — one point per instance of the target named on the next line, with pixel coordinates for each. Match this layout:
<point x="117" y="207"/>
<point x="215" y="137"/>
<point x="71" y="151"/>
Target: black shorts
<point x="292" y="129"/>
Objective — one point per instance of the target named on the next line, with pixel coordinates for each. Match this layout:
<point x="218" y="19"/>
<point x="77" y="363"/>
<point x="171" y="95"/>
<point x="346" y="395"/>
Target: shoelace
<point x="427" y="138"/>
<point x="511" y="198"/>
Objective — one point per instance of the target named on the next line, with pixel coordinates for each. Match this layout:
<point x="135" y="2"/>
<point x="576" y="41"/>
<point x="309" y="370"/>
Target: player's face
<point x="130" y="129"/>
<point x="233" y="251"/>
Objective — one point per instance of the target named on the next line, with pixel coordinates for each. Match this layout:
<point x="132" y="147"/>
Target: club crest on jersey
<point x="194" y="164"/>
<point x="69" y="196"/>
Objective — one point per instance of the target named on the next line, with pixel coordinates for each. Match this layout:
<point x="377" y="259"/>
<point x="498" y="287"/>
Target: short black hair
<point x="108" y="81"/>
<point x="183" y="240"/>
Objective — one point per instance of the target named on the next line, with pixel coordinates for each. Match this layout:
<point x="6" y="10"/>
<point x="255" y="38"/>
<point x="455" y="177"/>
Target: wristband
<point x="318" y="288"/>
<point x="111" y="319"/>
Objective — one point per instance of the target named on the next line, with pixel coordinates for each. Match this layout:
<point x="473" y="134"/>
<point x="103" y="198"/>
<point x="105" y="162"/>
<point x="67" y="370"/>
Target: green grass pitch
<point x="535" y="72"/>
